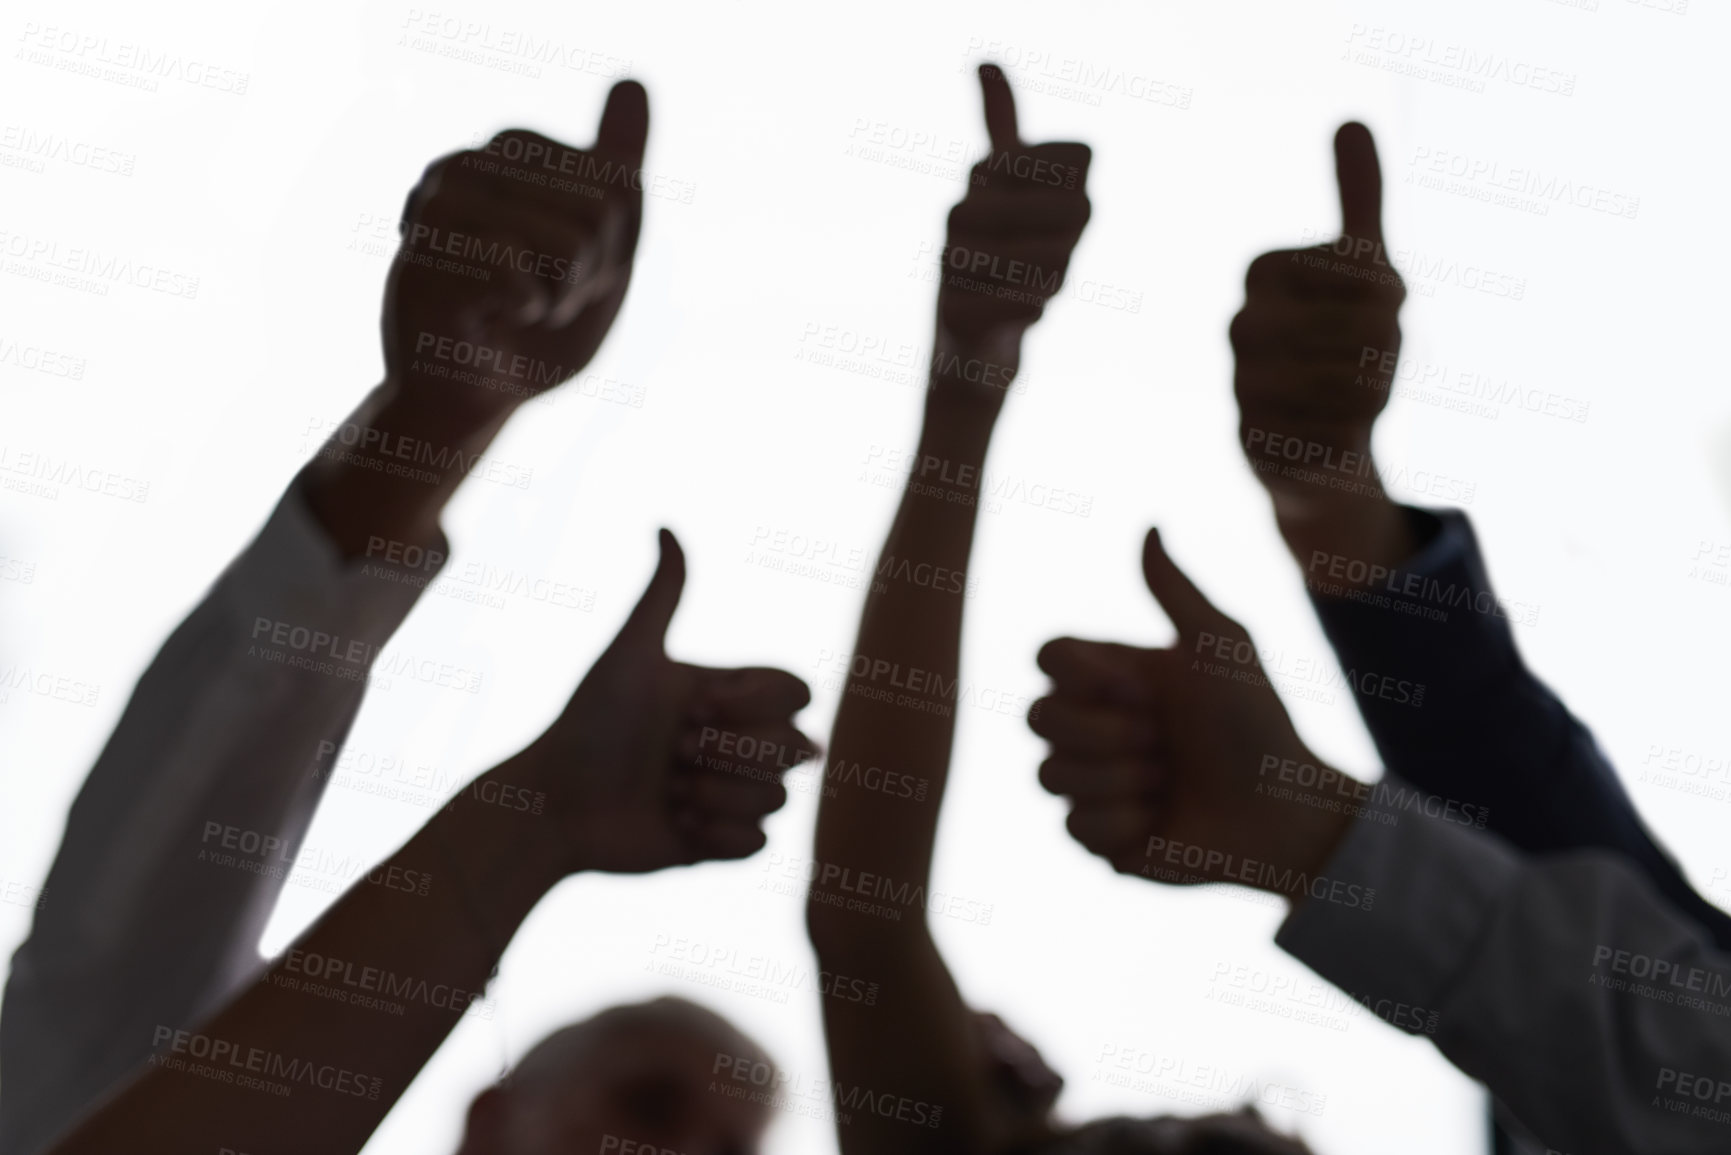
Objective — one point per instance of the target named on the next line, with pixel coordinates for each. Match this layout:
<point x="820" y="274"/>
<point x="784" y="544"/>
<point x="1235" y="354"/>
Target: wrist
<point x="370" y="479"/>
<point x="1298" y="812"/>
<point x="1313" y="822"/>
<point x="1321" y="838"/>
<point x="976" y="368"/>
<point x="1308" y="462"/>
<point x="432" y="414"/>
<point x="463" y="389"/>
<point x="1372" y="530"/>
<point x="950" y="455"/>
<point x="963" y="419"/>
<point x="533" y="816"/>
<point x="481" y="855"/>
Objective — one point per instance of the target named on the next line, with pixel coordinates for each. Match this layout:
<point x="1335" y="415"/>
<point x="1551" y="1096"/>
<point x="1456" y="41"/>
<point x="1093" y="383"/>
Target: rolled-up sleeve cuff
<point x="294" y="576"/>
<point x="1437" y="885"/>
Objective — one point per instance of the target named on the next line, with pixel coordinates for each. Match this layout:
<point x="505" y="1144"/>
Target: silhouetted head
<point x="1026" y="1089"/>
<point x="1238" y="1133"/>
<point x="632" y="1078"/>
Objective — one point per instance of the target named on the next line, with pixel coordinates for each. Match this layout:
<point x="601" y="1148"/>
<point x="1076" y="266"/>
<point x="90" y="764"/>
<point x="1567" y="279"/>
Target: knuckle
<point x="1051" y="775"/>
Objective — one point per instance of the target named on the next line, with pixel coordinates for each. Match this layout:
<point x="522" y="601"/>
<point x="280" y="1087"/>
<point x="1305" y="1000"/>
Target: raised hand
<point x="657" y="763"/>
<point x="1177" y="760"/>
<point x="514" y="262"/>
<point x="1010" y="238"/>
<point x="1316" y="343"/>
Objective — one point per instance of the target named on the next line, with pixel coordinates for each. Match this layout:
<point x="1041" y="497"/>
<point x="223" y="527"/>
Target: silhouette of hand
<point x="1010" y="238"/>
<point x="658" y="763"/>
<point x="1171" y="757"/>
<point x="1317" y="339"/>
<point x="514" y="262"/>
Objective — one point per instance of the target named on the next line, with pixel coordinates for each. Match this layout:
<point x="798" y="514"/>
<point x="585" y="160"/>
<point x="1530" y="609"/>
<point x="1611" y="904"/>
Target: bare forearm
<point x="1360" y="523"/>
<point x="908" y="648"/>
<point x="423" y="931"/>
<point x="910" y="635"/>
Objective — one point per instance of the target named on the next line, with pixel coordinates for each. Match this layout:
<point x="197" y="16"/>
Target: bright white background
<point x="794" y="229"/>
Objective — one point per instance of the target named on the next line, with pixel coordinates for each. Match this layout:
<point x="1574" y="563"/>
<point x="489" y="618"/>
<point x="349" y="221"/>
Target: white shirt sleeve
<point x="1595" y="1012"/>
<point x="183" y="835"/>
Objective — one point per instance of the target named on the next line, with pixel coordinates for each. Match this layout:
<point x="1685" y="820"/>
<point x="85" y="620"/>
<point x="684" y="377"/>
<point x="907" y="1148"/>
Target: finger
<point x="518" y="301"/>
<point x="1070" y="160"/>
<point x="725" y="839"/>
<point x="491" y="206"/>
<point x="585" y="282"/>
<point x="1333" y="272"/>
<point x="1100" y="780"/>
<point x="1036" y="271"/>
<point x="1299" y="330"/>
<point x="724" y="796"/>
<point x="1360" y="179"/>
<point x="1110" y="830"/>
<point x="654" y="611"/>
<point x="1295" y="329"/>
<point x="511" y="170"/>
<point x="1060" y="166"/>
<point x="601" y="267"/>
<point x="1302" y="405"/>
<point x="624" y="130"/>
<point x="1325" y="274"/>
<point x="514" y="246"/>
<point x="1097" y="671"/>
<point x="1085" y="730"/>
<point x="1039" y="214"/>
<point x="431" y="178"/>
<point x="1000" y="108"/>
<point x="772" y="746"/>
<point x="752" y="694"/>
<point x="1276" y="272"/>
<point x="1191" y="613"/>
<point x="412" y="205"/>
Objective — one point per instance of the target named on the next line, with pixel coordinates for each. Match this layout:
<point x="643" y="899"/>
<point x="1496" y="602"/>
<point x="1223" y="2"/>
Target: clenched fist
<point x="1317" y="328"/>
<point x="1010" y="238"/>
<point x="1178" y="761"/>
<point x="514" y="261"/>
<point x="658" y="763"/>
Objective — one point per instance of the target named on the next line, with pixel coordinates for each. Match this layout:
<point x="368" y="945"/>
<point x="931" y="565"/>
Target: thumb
<point x="624" y="130"/>
<point x="1191" y="612"/>
<point x="1000" y="108"/>
<point x="648" y="622"/>
<point x="1360" y="179"/>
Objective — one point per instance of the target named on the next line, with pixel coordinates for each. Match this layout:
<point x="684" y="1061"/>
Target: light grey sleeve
<point x="183" y="834"/>
<point x="1598" y="1015"/>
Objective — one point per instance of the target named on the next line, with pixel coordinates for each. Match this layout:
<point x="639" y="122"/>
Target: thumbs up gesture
<point x="1010" y="238"/>
<point x="1174" y="759"/>
<point x="1316" y="343"/>
<point x="658" y="763"/>
<point x="514" y="261"/>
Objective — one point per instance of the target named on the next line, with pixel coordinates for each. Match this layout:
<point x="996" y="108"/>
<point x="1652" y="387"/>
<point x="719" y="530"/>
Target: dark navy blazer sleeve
<point x="1483" y="732"/>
